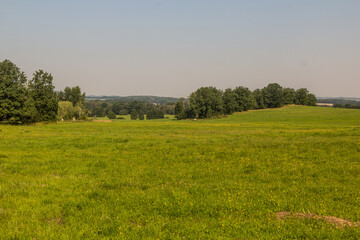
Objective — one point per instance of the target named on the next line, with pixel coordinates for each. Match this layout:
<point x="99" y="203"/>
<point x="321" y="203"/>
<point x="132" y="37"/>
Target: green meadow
<point x="167" y="179"/>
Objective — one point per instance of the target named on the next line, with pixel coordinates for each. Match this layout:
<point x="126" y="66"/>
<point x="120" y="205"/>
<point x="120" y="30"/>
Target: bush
<point x="111" y="115"/>
<point x="120" y="118"/>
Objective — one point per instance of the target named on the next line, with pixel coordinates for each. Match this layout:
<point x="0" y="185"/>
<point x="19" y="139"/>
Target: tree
<point x="141" y="115"/>
<point x="180" y="109"/>
<point x="45" y="99"/>
<point x="244" y="99"/>
<point x="302" y="96"/>
<point x="155" y="114"/>
<point x="273" y="96"/>
<point x="289" y="95"/>
<point x="66" y="110"/>
<point x="72" y="94"/>
<point x="312" y="100"/>
<point x="229" y="101"/>
<point x="111" y="115"/>
<point x="13" y="94"/>
<point x="206" y="102"/>
<point x="133" y="115"/>
<point x="258" y="96"/>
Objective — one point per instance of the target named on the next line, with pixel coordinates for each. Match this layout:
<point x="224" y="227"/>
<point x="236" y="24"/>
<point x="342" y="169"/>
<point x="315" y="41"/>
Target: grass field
<point x="167" y="179"/>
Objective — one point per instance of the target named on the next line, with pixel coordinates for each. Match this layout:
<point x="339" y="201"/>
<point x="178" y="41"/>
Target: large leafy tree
<point x="180" y="109"/>
<point x="302" y="96"/>
<point x="289" y="96"/>
<point x="206" y="102"/>
<point x="15" y="105"/>
<point x="312" y="100"/>
<point x="229" y="101"/>
<point x="259" y="98"/>
<point x="273" y="96"/>
<point x="244" y="98"/>
<point x="43" y="93"/>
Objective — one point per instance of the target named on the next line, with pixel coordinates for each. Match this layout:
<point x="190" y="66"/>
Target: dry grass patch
<point x="339" y="222"/>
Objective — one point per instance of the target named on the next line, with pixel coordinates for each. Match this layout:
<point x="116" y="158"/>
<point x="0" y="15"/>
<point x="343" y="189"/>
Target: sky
<point x="173" y="47"/>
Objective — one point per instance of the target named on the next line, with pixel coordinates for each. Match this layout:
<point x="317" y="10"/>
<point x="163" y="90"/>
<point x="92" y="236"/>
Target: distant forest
<point x="341" y="102"/>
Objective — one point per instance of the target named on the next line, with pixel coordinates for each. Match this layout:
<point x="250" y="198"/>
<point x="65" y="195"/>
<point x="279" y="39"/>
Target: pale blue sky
<point x="170" y="48"/>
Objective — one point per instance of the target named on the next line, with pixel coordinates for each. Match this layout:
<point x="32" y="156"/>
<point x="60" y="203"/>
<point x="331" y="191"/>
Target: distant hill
<point x="152" y="99"/>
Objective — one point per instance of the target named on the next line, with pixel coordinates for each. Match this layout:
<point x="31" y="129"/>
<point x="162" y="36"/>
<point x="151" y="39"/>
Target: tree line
<point x="342" y="103"/>
<point x="25" y="100"/>
<point x="136" y="108"/>
<point x="207" y="102"/>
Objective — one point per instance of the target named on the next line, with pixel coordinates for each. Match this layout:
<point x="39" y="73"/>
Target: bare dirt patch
<point x="339" y="222"/>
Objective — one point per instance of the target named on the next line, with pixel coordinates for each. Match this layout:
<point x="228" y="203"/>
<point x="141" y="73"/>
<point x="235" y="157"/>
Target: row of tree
<point x="207" y="102"/>
<point x="23" y="100"/>
<point x="347" y="105"/>
<point x="99" y="108"/>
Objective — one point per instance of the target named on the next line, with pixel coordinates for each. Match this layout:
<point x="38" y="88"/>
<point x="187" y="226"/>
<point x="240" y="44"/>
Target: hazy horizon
<point x="171" y="48"/>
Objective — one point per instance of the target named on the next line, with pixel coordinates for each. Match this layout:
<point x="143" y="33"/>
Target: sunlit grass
<point x="205" y="179"/>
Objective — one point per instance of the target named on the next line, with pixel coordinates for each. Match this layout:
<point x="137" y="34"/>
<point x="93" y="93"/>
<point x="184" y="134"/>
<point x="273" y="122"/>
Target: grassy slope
<point x="205" y="179"/>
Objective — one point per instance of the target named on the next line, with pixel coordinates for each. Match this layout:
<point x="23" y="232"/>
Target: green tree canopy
<point x="180" y="109"/>
<point x="230" y="101"/>
<point x="133" y="115"/>
<point x="289" y="96"/>
<point x="44" y="95"/>
<point x="13" y="94"/>
<point x="273" y="95"/>
<point x="111" y="115"/>
<point x="206" y="102"/>
<point x="244" y="99"/>
<point x="259" y="98"/>
<point x="302" y="96"/>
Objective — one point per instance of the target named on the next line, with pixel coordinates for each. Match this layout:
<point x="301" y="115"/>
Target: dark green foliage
<point x="98" y="112"/>
<point x="123" y="112"/>
<point x="111" y="115"/>
<point x="155" y="114"/>
<point x="168" y="108"/>
<point x="302" y="96"/>
<point x="120" y="107"/>
<point x="207" y="102"/>
<point x="348" y="105"/>
<point x="273" y="96"/>
<point x="230" y="101"/>
<point x="141" y="115"/>
<point x="289" y="96"/>
<point x="13" y="94"/>
<point x="133" y="115"/>
<point x="258" y="96"/>
<point x="244" y="99"/>
<point x="73" y="95"/>
<point x="312" y="100"/>
<point x="180" y="109"/>
<point x="44" y="96"/>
